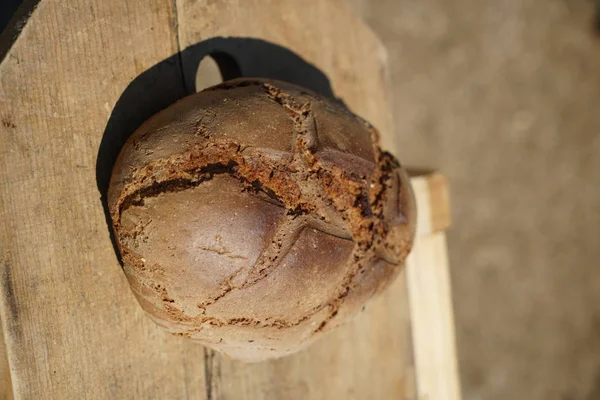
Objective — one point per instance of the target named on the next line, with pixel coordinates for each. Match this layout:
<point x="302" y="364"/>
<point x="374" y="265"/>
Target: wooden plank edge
<point x="6" y="392"/>
<point x="429" y="292"/>
<point x="433" y="206"/>
<point x="432" y="319"/>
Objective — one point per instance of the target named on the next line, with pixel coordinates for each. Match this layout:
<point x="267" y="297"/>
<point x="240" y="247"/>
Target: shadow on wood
<point x="175" y="77"/>
<point x="13" y="17"/>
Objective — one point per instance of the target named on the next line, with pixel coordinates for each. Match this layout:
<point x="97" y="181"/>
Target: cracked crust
<point x="254" y="216"/>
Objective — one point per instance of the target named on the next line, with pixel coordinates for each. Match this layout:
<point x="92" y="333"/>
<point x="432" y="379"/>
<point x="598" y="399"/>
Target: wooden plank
<point x="429" y="295"/>
<point x="6" y="392"/>
<point x="333" y="48"/>
<point x="434" y="215"/>
<point x="74" y="83"/>
<point x="72" y="327"/>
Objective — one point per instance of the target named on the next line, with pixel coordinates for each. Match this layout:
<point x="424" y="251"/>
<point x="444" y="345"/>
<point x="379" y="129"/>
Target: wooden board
<point x="429" y="298"/>
<point x="78" y="78"/>
<point x="72" y="327"/>
<point x="5" y="383"/>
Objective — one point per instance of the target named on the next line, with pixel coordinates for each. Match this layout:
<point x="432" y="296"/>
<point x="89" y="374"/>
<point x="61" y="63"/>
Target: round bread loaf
<point x="256" y="215"/>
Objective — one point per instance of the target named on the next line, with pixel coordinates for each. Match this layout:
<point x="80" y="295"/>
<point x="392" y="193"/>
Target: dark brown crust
<point x="355" y="194"/>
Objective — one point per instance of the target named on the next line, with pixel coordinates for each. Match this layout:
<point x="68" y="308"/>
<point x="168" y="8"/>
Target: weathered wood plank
<point x="434" y="211"/>
<point x="430" y="300"/>
<point x="72" y="327"/>
<point x="432" y="321"/>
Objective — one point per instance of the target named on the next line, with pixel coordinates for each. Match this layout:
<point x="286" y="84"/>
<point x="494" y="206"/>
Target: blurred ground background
<point x="504" y="98"/>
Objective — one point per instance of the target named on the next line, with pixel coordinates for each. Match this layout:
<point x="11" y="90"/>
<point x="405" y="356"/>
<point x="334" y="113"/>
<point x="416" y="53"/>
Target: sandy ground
<point x="504" y="98"/>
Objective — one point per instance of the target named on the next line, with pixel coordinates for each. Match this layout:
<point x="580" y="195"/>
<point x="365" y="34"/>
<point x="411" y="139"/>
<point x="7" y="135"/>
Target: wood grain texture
<point x="429" y="297"/>
<point x="71" y="324"/>
<point x="434" y="211"/>
<point x="72" y="327"/>
<point x="432" y="319"/>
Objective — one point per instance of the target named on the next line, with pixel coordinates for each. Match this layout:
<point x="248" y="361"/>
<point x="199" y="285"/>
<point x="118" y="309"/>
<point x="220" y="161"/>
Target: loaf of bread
<point x="254" y="216"/>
